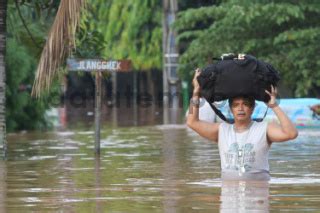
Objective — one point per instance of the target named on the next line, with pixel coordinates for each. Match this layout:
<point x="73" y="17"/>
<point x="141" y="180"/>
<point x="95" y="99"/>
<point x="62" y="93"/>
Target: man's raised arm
<point x="286" y="130"/>
<point x="205" y="129"/>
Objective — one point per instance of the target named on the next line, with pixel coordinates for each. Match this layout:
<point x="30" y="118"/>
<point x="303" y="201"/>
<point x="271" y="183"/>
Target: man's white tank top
<point x="244" y="156"/>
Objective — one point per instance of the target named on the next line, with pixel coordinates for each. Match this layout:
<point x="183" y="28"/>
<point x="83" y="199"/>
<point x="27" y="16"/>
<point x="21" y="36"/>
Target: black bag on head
<point x="237" y="75"/>
<point x="232" y="77"/>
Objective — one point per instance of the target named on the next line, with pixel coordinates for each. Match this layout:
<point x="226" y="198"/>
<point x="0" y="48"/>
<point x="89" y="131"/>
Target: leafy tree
<point x="285" y="33"/>
<point x="187" y="4"/>
<point x="3" y="17"/>
<point x="130" y="29"/>
<point x="22" y="111"/>
<point x="22" y="54"/>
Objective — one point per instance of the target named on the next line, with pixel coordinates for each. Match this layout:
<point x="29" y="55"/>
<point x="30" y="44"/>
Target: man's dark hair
<point x="249" y="99"/>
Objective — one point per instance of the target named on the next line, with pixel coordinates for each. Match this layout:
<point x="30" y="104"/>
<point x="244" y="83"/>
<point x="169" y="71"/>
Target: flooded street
<point x="149" y="168"/>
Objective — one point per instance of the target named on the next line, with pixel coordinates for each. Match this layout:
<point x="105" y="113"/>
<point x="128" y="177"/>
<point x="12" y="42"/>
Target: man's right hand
<point x="195" y="83"/>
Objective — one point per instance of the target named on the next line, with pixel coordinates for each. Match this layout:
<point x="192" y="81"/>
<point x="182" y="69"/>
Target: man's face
<point x="241" y="109"/>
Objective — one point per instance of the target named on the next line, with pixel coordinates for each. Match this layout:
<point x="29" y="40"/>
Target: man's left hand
<point x="273" y="97"/>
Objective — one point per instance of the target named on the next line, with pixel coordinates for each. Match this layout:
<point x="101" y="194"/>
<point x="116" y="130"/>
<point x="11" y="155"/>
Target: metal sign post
<point x="97" y="116"/>
<point x="98" y="66"/>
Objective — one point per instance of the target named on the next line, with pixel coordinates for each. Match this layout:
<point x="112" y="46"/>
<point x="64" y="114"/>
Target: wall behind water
<point x="149" y="85"/>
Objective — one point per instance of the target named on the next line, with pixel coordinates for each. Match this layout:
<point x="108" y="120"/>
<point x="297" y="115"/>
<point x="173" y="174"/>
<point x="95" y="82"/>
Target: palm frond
<point x="61" y="40"/>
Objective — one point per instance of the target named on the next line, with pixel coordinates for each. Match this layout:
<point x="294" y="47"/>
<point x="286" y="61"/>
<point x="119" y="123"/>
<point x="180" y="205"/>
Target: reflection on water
<point x="161" y="168"/>
<point x="243" y="196"/>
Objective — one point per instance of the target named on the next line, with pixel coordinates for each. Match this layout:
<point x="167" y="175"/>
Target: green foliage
<point x="130" y="29"/>
<point x="22" y="55"/>
<point x="22" y="112"/>
<point x="285" y="33"/>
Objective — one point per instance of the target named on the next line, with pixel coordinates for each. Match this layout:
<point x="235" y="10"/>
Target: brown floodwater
<point x="148" y="168"/>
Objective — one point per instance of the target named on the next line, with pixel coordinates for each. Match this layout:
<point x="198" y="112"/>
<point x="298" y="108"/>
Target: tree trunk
<point x="3" y="10"/>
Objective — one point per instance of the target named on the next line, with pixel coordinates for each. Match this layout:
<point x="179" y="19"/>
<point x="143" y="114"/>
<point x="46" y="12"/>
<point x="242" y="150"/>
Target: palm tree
<point x="3" y="13"/>
<point x="60" y="42"/>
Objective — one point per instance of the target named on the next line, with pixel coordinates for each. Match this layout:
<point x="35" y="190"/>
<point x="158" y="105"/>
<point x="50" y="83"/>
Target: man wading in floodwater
<point x="244" y="145"/>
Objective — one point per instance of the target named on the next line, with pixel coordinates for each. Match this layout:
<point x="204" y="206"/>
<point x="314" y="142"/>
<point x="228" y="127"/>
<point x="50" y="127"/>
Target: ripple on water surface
<point x="163" y="168"/>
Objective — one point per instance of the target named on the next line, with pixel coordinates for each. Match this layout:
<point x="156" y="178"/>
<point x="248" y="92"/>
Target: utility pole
<point x="171" y="88"/>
